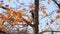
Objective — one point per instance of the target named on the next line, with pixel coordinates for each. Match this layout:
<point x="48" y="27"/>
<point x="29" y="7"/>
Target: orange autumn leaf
<point x="10" y="12"/>
<point x="29" y="19"/>
<point x="7" y="31"/>
<point x="15" y="20"/>
<point x="15" y="13"/>
<point x="1" y="15"/>
<point x="3" y="18"/>
<point x="7" y="16"/>
<point x="25" y="25"/>
<point x="1" y="27"/>
<point x="57" y="17"/>
<point x="31" y="6"/>
<point x="51" y="21"/>
<point x="21" y="20"/>
<point x="0" y="23"/>
<point x="58" y="11"/>
<point x="42" y="7"/>
<point x="14" y="17"/>
<point x="19" y="14"/>
<point x="46" y="30"/>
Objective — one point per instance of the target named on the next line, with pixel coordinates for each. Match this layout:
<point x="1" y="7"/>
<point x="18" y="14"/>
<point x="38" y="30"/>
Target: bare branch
<point x="50" y="31"/>
<point x="2" y="32"/>
<point x="47" y="15"/>
<point x="57" y="4"/>
<point x="4" y="7"/>
<point x="28" y="23"/>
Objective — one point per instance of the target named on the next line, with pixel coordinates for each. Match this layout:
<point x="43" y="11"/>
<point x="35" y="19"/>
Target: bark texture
<point x="36" y="22"/>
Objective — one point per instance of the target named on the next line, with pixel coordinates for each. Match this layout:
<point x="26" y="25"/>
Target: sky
<point x="49" y="8"/>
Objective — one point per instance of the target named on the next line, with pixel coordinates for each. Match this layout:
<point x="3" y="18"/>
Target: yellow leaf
<point x="10" y="1"/>
<point x="44" y="12"/>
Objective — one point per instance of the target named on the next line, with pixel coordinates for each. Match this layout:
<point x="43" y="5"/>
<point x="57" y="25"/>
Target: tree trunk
<point x="52" y="32"/>
<point x="36" y="22"/>
<point x="35" y="29"/>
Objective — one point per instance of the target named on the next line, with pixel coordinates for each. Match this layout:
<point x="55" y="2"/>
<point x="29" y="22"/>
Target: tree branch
<point x="48" y="15"/>
<point x="4" y="7"/>
<point x="57" y="4"/>
<point x="2" y="32"/>
<point x="23" y="19"/>
<point x="48" y="31"/>
<point x="28" y="23"/>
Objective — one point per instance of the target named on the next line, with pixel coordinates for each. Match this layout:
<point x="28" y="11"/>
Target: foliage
<point x="13" y="17"/>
